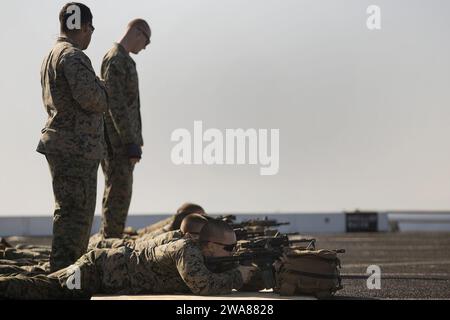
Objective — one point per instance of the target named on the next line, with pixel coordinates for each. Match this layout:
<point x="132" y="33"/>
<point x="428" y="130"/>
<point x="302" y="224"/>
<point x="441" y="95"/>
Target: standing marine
<point x="123" y="126"/>
<point x="73" y="137"/>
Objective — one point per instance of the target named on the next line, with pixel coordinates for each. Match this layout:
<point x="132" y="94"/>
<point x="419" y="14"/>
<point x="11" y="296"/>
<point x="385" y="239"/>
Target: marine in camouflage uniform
<point x="17" y="262"/>
<point x="124" y="132"/>
<point x="147" y="241"/>
<point x="173" y="222"/>
<point x="176" y="267"/>
<point x="34" y="261"/>
<point x="158" y="232"/>
<point x="35" y="254"/>
<point x="148" y="232"/>
<point x="139" y="244"/>
<point x="13" y="260"/>
<point x="73" y="143"/>
<point x="29" y="270"/>
<point x="27" y="259"/>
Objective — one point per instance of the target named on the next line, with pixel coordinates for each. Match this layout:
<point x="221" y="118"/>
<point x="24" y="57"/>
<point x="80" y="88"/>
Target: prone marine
<point x="175" y="267"/>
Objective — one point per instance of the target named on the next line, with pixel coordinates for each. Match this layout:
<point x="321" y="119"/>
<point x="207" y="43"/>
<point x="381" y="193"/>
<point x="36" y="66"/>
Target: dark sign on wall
<point x="361" y="221"/>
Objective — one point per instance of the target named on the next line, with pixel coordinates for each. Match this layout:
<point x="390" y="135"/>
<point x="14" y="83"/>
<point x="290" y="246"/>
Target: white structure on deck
<point x="299" y="222"/>
<point x="312" y="223"/>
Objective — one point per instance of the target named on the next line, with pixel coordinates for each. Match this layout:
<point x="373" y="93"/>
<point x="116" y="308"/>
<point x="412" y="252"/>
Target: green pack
<point x="308" y="272"/>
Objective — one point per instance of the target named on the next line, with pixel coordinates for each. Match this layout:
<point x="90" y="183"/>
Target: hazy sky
<point x="363" y="115"/>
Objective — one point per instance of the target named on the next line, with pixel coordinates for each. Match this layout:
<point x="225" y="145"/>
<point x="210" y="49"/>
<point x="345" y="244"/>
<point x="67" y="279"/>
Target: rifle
<point x="266" y="223"/>
<point x="248" y="234"/>
<point x="261" y="258"/>
<point x="230" y="219"/>
<point x="261" y="252"/>
<point x="277" y="241"/>
<point x="245" y="234"/>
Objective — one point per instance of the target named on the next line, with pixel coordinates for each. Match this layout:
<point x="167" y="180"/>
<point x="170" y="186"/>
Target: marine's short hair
<point x="213" y="230"/>
<point x="182" y="212"/>
<point x="193" y="223"/>
<point x="139" y="23"/>
<point x="64" y="15"/>
<point x="189" y="208"/>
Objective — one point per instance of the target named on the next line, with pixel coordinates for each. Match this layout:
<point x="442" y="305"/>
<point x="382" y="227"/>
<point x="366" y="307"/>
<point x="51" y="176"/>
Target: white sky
<point x="363" y="115"/>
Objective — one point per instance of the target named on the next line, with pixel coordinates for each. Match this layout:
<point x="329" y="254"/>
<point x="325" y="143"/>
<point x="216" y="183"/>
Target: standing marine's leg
<point x="75" y="190"/>
<point x="118" y="173"/>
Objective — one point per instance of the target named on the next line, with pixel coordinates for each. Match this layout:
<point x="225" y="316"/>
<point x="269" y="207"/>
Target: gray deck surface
<point x="413" y="266"/>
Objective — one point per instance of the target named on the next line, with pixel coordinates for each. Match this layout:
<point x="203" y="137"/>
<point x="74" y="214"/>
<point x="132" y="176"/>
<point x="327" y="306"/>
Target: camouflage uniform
<point x="73" y="142"/>
<point x="177" y="267"/>
<point x="14" y="254"/>
<point x="26" y="259"/>
<point x="157" y="227"/>
<point x="17" y="262"/>
<point x="11" y="269"/>
<point x="138" y="244"/>
<point x="4" y="244"/>
<point x="147" y="242"/>
<point x="156" y="233"/>
<point x="168" y="224"/>
<point x="151" y="231"/>
<point x="111" y="243"/>
<point x="124" y="132"/>
<point x="37" y="248"/>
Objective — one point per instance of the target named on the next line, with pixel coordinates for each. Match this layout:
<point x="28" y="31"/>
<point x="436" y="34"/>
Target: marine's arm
<point x="115" y="76"/>
<point x="167" y="237"/>
<point x="86" y="88"/>
<point x="200" y="280"/>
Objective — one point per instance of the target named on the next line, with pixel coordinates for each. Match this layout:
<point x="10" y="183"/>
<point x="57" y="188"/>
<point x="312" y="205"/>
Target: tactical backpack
<point x="309" y="272"/>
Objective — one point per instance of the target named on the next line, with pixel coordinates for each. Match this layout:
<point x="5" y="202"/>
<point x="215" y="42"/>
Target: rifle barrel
<point x="264" y="255"/>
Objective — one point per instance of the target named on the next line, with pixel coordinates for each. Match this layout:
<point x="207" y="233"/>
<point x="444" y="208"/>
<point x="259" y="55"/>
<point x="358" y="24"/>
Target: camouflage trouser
<point x="98" y="271"/>
<point x="17" y="254"/>
<point x="35" y="248"/>
<point x="18" y="262"/>
<point x="118" y="173"/>
<point x="75" y="190"/>
<point x="11" y="269"/>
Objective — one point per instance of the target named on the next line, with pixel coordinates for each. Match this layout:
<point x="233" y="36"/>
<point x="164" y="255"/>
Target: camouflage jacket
<point x="176" y="267"/>
<point x="139" y="244"/>
<point x="146" y="241"/>
<point x="123" y="120"/>
<point x="75" y="100"/>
